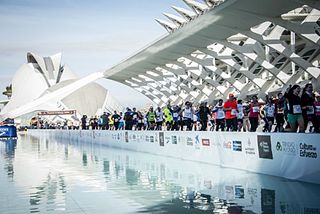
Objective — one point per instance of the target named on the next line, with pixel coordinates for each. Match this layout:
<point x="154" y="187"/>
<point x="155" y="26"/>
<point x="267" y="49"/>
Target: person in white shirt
<point x="187" y="114"/>
<point x="220" y="115"/>
<point x="269" y="111"/>
<point x="159" y="118"/>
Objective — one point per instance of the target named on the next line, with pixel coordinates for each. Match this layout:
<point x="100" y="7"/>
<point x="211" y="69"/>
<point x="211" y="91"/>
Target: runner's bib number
<point x="234" y="112"/>
<point x="270" y="112"/>
<point x="255" y="109"/>
<point x="310" y="110"/>
<point x="317" y="109"/>
<point x="220" y="114"/>
<point x="280" y="111"/>
<point x="297" y="109"/>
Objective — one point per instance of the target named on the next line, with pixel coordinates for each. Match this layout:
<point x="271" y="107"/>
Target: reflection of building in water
<point x="8" y="154"/>
<point x="162" y="184"/>
<point x="50" y="194"/>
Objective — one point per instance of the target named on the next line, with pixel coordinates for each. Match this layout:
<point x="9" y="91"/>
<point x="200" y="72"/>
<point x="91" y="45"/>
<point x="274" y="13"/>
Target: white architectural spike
<point x="189" y="15"/>
<point x="213" y="3"/>
<point x="175" y="19"/>
<point x="170" y="27"/>
<point x="197" y="7"/>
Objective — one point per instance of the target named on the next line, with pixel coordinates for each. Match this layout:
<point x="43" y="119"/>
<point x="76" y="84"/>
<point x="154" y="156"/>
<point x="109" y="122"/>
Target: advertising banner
<point x="288" y="155"/>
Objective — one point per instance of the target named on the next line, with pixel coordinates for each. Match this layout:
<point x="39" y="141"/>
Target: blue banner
<point x="8" y="131"/>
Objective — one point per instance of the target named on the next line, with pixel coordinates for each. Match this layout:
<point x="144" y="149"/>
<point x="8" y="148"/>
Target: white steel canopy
<point x="217" y="47"/>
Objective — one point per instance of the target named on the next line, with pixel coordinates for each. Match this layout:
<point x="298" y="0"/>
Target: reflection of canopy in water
<point x="246" y="47"/>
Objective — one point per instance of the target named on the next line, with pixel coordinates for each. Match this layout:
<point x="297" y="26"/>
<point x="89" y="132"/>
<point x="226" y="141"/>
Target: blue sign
<point x="8" y="131"/>
<point x="237" y="146"/>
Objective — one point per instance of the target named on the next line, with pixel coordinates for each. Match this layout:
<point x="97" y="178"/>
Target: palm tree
<point x="8" y="91"/>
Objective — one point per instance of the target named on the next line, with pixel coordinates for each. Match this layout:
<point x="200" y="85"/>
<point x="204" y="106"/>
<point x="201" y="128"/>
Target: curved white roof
<point x="241" y="46"/>
<point x="51" y="86"/>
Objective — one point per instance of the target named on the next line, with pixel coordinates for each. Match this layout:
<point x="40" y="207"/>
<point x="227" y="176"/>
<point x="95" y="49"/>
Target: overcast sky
<point x="92" y="35"/>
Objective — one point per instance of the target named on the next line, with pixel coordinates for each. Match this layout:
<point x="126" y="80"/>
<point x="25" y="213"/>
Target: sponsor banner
<point x="167" y="139"/>
<point x="205" y="142"/>
<point x="151" y="139"/>
<point x="126" y="137"/>
<point x="237" y="146"/>
<point x="287" y="148"/>
<point x="278" y="154"/>
<point x="174" y="139"/>
<point x="161" y="138"/>
<point x="308" y="150"/>
<point x="264" y="146"/>
<point x="227" y="144"/>
<point x="46" y="113"/>
<point x="182" y="140"/>
<point x="250" y="147"/>
<point x="238" y="191"/>
<point x="189" y="141"/>
<point x="8" y="131"/>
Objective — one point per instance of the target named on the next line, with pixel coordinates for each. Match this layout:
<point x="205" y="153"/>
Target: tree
<point x="8" y="91"/>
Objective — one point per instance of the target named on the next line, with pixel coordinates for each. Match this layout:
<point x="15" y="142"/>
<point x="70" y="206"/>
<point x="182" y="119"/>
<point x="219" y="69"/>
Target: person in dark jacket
<point x="308" y="108"/>
<point x="204" y="113"/>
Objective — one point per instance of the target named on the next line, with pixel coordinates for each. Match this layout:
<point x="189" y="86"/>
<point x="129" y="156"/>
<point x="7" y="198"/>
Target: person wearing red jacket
<point x="230" y="107"/>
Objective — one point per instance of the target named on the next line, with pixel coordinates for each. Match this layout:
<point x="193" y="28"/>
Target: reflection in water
<point x="49" y="194"/>
<point x="52" y="176"/>
<point x="9" y="152"/>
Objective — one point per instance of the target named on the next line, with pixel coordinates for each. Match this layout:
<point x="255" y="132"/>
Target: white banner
<point x="288" y="155"/>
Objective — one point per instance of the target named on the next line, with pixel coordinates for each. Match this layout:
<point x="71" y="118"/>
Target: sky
<point x="91" y="35"/>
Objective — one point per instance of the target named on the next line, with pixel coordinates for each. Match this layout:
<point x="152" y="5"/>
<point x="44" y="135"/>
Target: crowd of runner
<point x="290" y="112"/>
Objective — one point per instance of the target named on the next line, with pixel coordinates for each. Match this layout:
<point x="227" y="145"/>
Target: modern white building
<point x="42" y="76"/>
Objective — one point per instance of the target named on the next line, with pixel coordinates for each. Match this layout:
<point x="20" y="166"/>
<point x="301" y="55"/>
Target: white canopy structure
<point x="216" y="47"/>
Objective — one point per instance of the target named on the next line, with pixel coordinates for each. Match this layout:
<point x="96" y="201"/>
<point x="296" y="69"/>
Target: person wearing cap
<point x="230" y="107"/>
